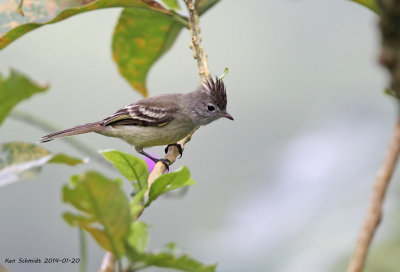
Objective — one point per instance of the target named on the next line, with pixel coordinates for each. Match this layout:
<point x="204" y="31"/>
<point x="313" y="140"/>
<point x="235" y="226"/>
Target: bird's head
<point x="212" y="104"/>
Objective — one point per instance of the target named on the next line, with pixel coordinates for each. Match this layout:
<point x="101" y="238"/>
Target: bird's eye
<point x="210" y="107"/>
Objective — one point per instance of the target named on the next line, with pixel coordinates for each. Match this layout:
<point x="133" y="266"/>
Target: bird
<point x="159" y="120"/>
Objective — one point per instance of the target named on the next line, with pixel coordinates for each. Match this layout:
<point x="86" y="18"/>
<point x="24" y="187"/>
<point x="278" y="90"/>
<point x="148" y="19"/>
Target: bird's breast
<point x="150" y="136"/>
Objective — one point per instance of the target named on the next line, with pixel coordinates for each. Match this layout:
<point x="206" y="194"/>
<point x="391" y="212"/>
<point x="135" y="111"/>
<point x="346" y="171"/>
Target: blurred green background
<point x="283" y="188"/>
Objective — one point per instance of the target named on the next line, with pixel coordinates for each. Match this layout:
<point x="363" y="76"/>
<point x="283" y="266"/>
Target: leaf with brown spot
<point x="20" y="160"/>
<point x="141" y="37"/>
<point x="41" y="12"/>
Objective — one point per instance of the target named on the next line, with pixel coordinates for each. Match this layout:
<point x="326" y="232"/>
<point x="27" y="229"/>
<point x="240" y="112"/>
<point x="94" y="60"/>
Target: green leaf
<point x="136" y="205"/>
<point x="183" y="263"/>
<point x="168" y="260"/>
<point x="103" y="207"/>
<point x="41" y="12"/>
<point x="172" y="4"/>
<point x="141" y="37"/>
<point x="172" y="248"/>
<point x="226" y="71"/>
<point x="138" y="197"/>
<point x="138" y="236"/>
<point x="23" y="160"/>
<point x="390" y="92"/>
<point x="14" y="89"/>
<point x="138" y="41"/>
<point x="203" y="5"/>
<point x="168" y="182"/>
<point x="371" y="4"/>
<point x="131" y="167"/>
<point x="65" y="159"/>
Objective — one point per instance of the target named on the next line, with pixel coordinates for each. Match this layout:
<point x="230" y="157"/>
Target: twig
<point x="390" y="58"/>
<point x="199" y="54"/>
<point x="2" y="269"/>
<point x="374" y="213"/>
<point x="171" y="155"/>
<point x="19" y="8"/>
<point x="108" y="264"/>
<point x="204" y="74"/>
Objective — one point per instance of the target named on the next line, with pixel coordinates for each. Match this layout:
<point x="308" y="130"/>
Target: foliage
<point x="371" y="4"/>
<point x="138" y="236"/>
<point x="169" y="182"/>
<point x="145" y="31"/>
<point x="13" y="25"/>
<point x="132" y="168"/>
<point x="167" y="259"/>
<point x="106" y="213"/>
<point x="22" y="160"/>
<point x="14" y="89"/>
<point x="146" y="36"/>
<point x="101" y="202"/>
<point x="172" y="4"/>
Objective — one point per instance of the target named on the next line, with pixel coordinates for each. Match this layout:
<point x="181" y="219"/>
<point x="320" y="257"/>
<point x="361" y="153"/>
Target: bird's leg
<point x="178" y="146"/>
<point x="166" y="162"/>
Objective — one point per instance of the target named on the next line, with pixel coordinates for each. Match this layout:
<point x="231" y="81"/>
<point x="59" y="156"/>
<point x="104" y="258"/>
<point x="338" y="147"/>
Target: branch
<point x="199" y="54"/>
<point x="108" y="264"/>
<point x="173" y="152"/>
<point x="2" y="269"/>
<point x="171" y="155"/>
<point x="389" y="57"/>
<point x="204" y="74"/>
<point x="19" y="8"/>
<point x="374" y="213"/>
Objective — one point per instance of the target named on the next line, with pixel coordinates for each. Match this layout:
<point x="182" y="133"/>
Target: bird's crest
<point x="218" y="92"/>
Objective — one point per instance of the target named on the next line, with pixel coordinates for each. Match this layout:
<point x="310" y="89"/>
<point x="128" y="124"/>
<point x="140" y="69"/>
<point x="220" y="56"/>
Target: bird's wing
<point x="143" y="114"/>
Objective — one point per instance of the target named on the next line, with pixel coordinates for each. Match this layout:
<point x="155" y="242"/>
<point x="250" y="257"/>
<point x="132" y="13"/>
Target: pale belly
<point x="142" y="137"/>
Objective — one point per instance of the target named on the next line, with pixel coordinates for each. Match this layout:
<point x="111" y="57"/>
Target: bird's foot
<point x="178" y="146"/>
<point x="166" y="163"/>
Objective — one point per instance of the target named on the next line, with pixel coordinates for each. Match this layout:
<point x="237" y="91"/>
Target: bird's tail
<point x="90" y="127"/>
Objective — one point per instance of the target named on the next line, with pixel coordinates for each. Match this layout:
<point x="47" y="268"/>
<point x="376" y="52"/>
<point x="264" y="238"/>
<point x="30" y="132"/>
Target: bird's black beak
<point x="226" y="115"/>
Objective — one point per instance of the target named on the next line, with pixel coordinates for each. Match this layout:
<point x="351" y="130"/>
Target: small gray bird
<point x="159" y="120"/>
